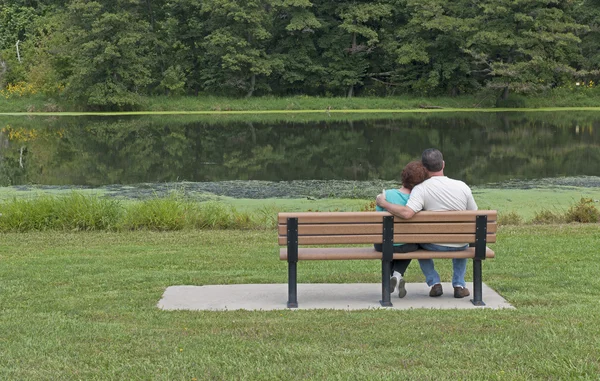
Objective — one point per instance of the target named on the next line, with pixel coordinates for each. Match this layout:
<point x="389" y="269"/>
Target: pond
<point x="479" y="148"/>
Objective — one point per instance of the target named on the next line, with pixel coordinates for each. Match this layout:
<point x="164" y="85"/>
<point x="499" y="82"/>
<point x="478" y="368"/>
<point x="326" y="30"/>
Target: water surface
<point x="479" y="148"/>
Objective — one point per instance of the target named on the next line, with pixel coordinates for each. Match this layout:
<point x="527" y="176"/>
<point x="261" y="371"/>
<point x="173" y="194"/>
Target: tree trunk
<point x="505" y="93"/>
<point x="151" y="14"/>
<point x="21" y="156"/>
<point x="252" y="84"/>
<point x="3" y="69"/>
<point x="352" y="50"/>
<point x="157" y="47"/>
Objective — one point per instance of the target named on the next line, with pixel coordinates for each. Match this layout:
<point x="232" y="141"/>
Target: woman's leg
<point x="401" y="265"/>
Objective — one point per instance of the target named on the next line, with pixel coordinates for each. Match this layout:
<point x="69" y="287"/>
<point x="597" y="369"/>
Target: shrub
<point x="584" y="211"/>
<point x="173" y="81"/>
<point x="77" y="212"/>
<point x="72" y="212"/>
<point x="86" y="212"/>
<point x="168" y="213"/>
<point x="547" y="217"/>
<point x="266" y="217"/>
<point x="20" y="215"/>
<point x="214" y="216"/>
<point x="19" y="89"/>
<point x="510" y="218"/>
<point x="513" y="101"/>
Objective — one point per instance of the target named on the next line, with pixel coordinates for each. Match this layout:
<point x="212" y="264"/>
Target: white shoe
<point x="397" y="283"/>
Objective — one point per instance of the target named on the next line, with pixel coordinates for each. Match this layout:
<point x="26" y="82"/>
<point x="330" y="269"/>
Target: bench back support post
<point x="480" y="247"/>
<point x="480" y="236"/>
<point x="386" y="260"/>
<point x="292" y="249"/>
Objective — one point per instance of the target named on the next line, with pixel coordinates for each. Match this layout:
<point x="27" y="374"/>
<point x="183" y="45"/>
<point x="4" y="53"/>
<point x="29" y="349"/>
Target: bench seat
<point x="348" y="253"/>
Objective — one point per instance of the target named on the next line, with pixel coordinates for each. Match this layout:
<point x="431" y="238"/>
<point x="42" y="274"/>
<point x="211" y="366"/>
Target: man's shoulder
<point x="457" y="183"/>
<point x="445" y="180"/>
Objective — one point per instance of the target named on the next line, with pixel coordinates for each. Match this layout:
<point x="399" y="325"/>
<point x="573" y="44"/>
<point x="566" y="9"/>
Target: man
<point x="438" y="193"/>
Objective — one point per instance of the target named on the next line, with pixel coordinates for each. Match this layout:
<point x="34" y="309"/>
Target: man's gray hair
<point x="432" y="159"/>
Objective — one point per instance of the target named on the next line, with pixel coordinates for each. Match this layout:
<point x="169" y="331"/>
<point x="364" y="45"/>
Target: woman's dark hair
<point x="413" y="174"/>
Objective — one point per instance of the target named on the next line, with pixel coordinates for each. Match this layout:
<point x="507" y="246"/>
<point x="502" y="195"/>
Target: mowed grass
<point x="83" y="306"/>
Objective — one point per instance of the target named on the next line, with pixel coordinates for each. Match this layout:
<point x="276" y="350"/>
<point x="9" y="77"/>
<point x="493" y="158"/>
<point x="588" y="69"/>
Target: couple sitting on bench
<point x="424" y="187"/>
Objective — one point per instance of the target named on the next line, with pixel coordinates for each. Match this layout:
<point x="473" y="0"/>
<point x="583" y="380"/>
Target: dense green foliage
<point x="107" y="54"/>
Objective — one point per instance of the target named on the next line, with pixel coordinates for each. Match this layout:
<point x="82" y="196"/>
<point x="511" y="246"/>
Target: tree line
<point x="107" y="54"/>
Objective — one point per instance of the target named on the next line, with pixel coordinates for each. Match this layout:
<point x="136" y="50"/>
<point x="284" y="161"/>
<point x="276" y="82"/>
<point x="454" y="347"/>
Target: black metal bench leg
<point x="477" y="284"/>
<point x="385" y="284"/>
<point x="292" y="285"/>
<point x="292" y="246"/>
<point x="387" y="256"/>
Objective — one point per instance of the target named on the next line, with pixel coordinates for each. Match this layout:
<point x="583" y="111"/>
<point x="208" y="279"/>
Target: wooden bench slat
<point x="362" y="217"/>
<point x="377" y="228"/>
<point x="377" y="238"/>
<point x="343" y="253"/>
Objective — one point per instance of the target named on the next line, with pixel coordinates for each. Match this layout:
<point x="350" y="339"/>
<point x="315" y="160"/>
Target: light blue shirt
<point x="394" y="196"/>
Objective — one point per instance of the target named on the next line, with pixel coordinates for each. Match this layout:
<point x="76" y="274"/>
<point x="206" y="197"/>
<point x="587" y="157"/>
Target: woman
<point x="414" y="173"/>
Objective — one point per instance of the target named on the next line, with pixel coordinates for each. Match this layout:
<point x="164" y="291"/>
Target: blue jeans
<point x="459" y="266"/>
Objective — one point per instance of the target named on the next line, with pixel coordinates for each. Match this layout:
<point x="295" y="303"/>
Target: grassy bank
<point x="556" y="98"/>
<point x="83" y="306"/>
<point x="183" y="208"/>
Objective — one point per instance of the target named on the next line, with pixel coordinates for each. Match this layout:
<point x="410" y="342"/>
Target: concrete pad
<point x="345" y="296"/>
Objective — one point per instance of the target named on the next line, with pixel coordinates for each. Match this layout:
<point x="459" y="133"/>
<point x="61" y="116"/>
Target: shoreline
<point x="324" y="112"/>
<point x="485" y="101"/>
<point x="525" y="197"/>
<point x="317" y="189"/>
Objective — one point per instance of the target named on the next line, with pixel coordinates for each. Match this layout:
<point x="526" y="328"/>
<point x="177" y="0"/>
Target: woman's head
<point x="414" y="173"/>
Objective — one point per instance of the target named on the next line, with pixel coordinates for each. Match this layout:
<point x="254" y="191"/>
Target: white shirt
<point x="440" y="193"/>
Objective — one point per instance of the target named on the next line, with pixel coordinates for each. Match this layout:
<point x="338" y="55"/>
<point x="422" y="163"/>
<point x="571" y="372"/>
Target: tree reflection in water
<point x="478" y="148"/>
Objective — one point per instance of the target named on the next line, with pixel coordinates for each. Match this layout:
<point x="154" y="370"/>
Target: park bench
<point x="478" y="228"/>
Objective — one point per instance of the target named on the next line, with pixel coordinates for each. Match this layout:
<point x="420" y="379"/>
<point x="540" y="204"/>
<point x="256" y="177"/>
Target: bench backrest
<point x="323" y="228"/>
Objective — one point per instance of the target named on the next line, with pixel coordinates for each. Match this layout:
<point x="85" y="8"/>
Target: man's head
<point x="413" y="174"/>
<point x="432" y="160"/>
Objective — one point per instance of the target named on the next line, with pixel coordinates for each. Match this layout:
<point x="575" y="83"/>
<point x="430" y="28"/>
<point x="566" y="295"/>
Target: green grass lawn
<point x="83" y="306"/>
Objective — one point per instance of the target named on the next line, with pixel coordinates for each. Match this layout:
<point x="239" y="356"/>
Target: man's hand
<point x="380" y="198"/>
